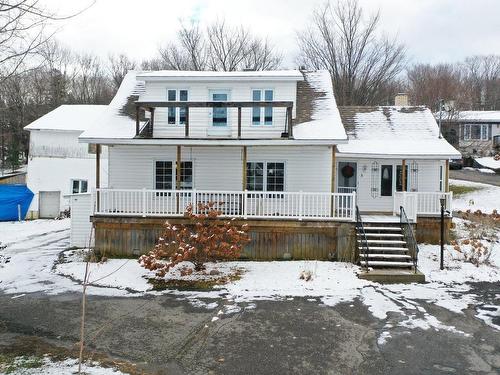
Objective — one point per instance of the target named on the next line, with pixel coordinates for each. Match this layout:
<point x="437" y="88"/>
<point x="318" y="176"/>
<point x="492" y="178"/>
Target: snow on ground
<point x="68" y="366"/>
<point x="489" y="162"/>
<point x="31" y="262"/>
<point x="482" y="170"/>
<point x="486" y="198"/>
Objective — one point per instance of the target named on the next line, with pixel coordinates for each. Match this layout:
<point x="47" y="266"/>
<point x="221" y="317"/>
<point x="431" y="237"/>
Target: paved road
<point x="164" y="335"/>
<point x="475" y="176"/>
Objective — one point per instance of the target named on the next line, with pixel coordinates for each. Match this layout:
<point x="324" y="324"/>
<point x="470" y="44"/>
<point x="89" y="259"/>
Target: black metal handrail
<point x="360" y="229"/>
<point x="409" y="236"/>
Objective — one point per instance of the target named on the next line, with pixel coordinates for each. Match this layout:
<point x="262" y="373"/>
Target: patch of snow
<point x="488" y="313"/>
<point x="187" y="74"/>
<point x="12" y="232"/>
<point x="397" y="131"/>
<point x="325" y="118"/>
<point x="486" y="198"/>
<point x="482" y="170"/>
<point x="479" y="115"/>
<point x="70" y="117"/>
<point x="488" y="162"/>
<point x="68" y="366"/>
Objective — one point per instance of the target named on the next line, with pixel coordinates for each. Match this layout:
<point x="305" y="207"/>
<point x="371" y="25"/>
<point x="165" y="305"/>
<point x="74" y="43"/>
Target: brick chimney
<point x="401" y="100"/>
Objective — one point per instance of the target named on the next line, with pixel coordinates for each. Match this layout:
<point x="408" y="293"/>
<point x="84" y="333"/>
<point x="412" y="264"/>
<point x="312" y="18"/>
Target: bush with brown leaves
<point x="205" y="239"/>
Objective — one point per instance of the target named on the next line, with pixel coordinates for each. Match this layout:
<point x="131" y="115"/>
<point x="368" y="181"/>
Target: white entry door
<point x="219" y="116"/>
<point x="49" y="204"/>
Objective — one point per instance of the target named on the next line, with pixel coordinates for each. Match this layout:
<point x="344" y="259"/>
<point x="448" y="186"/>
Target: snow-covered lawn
<point x="485" y="198"/>
<point x="45" y="366"/>
<point x="489" y="162"/>
<point x="31" y="263"/>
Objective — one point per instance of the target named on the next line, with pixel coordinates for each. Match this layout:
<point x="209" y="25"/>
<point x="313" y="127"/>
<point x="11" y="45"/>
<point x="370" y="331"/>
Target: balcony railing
<point x="421" y="203"/>
<point x="146" y="130"/>
<point x="238" y="204"/>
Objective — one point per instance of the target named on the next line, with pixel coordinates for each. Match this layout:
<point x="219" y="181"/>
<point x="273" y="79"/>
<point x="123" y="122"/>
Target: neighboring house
<point x="473" y="133"/>
<point x="273" y="148"/>
<point x="58" y="165"/>
<point x="16" y="177"/>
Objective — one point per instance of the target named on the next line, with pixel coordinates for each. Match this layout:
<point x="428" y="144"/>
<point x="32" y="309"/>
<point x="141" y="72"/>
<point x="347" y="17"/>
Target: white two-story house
<point x="270" y="146"/>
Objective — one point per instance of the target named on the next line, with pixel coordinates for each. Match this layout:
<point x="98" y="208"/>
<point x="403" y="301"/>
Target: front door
<point x="347" y="177"/>
<point x="219" y="115"/>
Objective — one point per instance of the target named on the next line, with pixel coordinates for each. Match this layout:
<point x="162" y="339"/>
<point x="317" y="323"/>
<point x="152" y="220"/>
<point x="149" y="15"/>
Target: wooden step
<point x="381" y="263"/>
<point x="391" y="235"/>
<point x="385" y="242"/>
<point x="388" y="248"/>
<point x="393" y="256"/>
<point x="388" y="229"/>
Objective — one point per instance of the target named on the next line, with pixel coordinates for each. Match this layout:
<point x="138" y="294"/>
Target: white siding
<point x="81" y="227"/>
<point x="199" y="118"/>
<point x="428" y="179"/>
<point x="56" y="157"/>
<point x="221" y="168"/>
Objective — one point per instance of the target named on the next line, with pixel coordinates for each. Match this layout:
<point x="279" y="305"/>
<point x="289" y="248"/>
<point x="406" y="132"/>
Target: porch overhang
<point x="409" y="156"/>
<point x="213" y="141"/>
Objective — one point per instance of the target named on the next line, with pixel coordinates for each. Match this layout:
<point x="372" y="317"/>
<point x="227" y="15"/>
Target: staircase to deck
<point x="387" y="249"/>
<point x="386" y="246"/>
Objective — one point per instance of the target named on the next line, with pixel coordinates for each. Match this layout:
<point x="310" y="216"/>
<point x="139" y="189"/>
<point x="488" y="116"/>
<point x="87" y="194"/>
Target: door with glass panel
<point x="347" y="177"/>
<point x="219" y="116"/>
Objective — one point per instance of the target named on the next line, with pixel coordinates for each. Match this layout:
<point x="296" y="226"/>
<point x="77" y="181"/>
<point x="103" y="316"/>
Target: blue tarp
<point x="10" y="197"/>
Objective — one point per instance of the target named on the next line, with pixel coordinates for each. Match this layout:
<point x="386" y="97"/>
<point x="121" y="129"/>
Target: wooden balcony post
<point x="152" y="120"/>
<point x="289" y="118"/>
<point x="334" y="175"/>
<point x="239" y="123"/>
<point x="447" y="176"/>
<point x="97" y="173"/>
<point x="178" y="179"/>
<point x="403" y="177"/>
<point x="137" y="122"/>
<point x="244" y="179"/>
<point x="186" y="125"/>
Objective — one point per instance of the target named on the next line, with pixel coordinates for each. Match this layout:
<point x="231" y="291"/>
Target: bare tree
<point x="219" y="47"/>
<point x="342" y="41"/>
<point x="23" y="26"/>
<point x="482" y="76"/>
<point x="119" y="66"/>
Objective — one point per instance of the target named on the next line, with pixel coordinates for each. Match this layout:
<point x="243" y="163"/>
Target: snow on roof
<point x="393" y="131"/>
<point x="322" y="118"/>
<point x="488" y="116"/>
<point x="197" y="75"/>
<point x="68" y="117"/>
<point x="116" y="121"/>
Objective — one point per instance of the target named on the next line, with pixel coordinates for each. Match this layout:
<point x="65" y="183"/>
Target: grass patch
<point x="462" y="190"/>
<point x="9" y="364"/>
<point x="194" y="285"/>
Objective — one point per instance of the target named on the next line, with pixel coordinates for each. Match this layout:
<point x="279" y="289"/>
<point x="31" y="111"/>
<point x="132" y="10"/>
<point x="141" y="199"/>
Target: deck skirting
<point x="271" y="239"/>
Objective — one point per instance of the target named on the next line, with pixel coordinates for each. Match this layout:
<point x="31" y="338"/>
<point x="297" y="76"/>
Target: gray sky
<point x="432" y="30"/>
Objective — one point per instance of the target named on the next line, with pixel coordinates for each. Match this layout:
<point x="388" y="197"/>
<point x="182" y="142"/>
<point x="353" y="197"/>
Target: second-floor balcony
<point x="214" y="119"/>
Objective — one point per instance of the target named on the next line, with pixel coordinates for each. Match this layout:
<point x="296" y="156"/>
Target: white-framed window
<point x="165" y="174"/>
<point x="476" y="132"/>
<point x="441" y="178"/>
<point x="79" y="186"/>
<point x="262" y="115"/>
<point x="176" y="115"/>
<point x="265" y="176"/>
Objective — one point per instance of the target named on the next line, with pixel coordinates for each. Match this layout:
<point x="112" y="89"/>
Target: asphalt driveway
<point x="165" y="335"/>
<point x="475" y="176"/>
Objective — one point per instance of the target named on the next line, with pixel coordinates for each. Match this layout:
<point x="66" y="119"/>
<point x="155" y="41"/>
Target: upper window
<point x="269" y="176"/>
<point x="262" y="115"/>
<point x="79" y="186"/>
<point x="177" y="115"/>
<point x="476" y="132"/>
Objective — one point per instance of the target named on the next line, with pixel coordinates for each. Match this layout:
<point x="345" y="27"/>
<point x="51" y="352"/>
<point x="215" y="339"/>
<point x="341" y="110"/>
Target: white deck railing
<point x="239" y="204"/>
<point x="421" y="203"/>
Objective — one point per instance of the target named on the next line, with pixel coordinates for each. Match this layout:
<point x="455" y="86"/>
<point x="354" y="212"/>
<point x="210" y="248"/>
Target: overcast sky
<point x="432" y="30"/>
